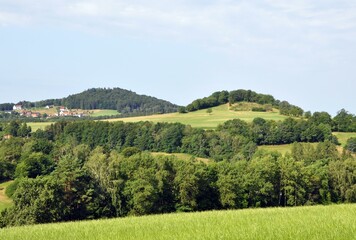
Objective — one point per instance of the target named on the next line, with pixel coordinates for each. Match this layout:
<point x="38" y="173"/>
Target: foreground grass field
<point x="317" y="222"/>
<point x="202" y="119"/>
<point x="4" y="200"/>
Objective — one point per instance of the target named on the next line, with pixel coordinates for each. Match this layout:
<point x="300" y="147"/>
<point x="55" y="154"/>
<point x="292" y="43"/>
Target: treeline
<point x="235" y="139"/>
<point x="66" y="181"/>
<point x="122" y="100"/>
<point x="6" y="106"/>
<point x="176" y="137"/>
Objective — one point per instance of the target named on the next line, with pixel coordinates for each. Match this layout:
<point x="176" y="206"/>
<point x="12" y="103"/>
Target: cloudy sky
<point x="302" y="51"/>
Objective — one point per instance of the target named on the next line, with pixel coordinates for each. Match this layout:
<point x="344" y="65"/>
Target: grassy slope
<point x="4" y="200"/>
<point x="317" y="222"/>
<point x="343" y="136"/>
<point x="202" y="119"/>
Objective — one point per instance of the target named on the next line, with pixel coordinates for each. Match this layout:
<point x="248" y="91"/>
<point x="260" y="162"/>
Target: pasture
<point x="313" y="222"/>
<point x="202" y="119"/>
<point x="343" y="136"/>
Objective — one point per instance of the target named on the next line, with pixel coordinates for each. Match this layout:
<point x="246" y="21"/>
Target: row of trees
<point x="79" y="183"/>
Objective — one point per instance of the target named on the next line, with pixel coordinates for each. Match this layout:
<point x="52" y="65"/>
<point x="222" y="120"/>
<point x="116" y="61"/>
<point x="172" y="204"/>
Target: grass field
<point x="103" y="112"/>
<point x="283" y="149"/>
<point x="343" y="136"/>
<point x="38" y="125"/>
<point x="4" y="200"/>
<point x="316" y="222"/>
<point x="181" y="156"/>
<point x="202" y="119"/>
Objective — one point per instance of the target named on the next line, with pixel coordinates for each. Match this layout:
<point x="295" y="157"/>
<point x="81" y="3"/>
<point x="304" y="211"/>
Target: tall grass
<point x="317" y="222"/>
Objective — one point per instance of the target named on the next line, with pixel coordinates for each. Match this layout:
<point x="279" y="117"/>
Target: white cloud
<point x="8" y="19"/>
<point x="294" y="25"/>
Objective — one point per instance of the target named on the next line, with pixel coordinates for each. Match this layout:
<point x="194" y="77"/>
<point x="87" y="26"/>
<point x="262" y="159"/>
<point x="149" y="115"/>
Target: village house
<point x="35" y="114"/>
<point x="17" y="107"/>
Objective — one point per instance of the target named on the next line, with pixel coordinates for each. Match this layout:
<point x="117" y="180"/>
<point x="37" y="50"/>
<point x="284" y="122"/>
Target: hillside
<point x="124" y="101"/>
<point x="317" y="222"/>
<point x="203" y="119"/>
<point x="265" y="101"/>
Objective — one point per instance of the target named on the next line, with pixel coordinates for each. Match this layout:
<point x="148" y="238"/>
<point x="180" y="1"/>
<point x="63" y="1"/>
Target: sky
<point x="301" y="51"/>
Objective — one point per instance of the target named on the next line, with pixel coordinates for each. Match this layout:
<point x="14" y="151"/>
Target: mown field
<point x="315" y="222"/>
<point x="202" y="119"/>
<point x="4" y="200"/>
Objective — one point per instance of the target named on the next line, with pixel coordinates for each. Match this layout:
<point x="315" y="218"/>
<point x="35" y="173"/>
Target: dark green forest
<point x="89" y="170"/>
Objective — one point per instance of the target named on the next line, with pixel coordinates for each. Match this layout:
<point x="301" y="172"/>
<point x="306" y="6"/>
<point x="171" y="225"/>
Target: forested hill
<point x="122" y="100"/>
<point x="241" y="95"/>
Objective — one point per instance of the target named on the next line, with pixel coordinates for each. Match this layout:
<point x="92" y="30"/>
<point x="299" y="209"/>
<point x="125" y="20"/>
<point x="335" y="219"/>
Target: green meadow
<point x="283" y="149"/>
<point x="103" y="112"/>
<point x="38" y="125"/>
<point x="202" y="119"/>
<point x="199" y="119"/>
<point x="313" y="222"/>
<point x="343" y="136"/>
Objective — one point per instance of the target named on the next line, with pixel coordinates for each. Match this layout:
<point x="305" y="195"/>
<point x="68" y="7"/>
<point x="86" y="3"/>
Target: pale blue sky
<point x="298" y="50"/>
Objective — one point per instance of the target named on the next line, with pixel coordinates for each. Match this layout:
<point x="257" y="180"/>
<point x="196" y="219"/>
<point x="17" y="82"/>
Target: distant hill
<point x="241" y="95"/>
<point x="124" y="101"/>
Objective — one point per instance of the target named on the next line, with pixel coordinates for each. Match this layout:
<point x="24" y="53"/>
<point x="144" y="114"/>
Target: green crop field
<point x="202" y="119"/>
<point x="4" y="200"/>
<point x="313" y="222"/>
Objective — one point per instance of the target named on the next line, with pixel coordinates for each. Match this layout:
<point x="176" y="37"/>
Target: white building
<point x="17" y="107"/>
